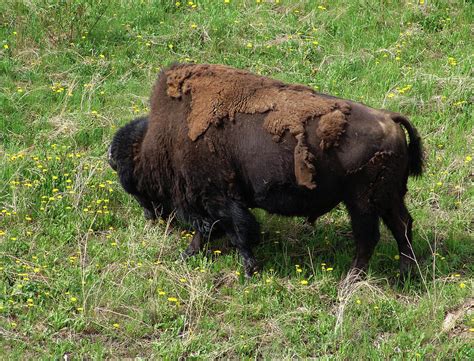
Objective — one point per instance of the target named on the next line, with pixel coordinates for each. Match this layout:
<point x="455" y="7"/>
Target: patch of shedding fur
<point x="331" y="127"/>
<point x="219" y="92"/>
<point x="304" y="159"/>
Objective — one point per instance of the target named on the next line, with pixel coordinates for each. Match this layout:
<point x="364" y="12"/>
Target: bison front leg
<point x="148" y="209"/>
<point x="243" y="231"/>
<point x="194" y="247"/>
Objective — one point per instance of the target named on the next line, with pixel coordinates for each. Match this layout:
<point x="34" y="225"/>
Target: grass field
<point x="83" y="274"/>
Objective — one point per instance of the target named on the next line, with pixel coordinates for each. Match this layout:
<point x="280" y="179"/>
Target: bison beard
<point x="219" y="141"/>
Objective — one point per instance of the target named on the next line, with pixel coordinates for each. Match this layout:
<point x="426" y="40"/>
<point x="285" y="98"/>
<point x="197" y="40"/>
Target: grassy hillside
<point x="83" y="274"/>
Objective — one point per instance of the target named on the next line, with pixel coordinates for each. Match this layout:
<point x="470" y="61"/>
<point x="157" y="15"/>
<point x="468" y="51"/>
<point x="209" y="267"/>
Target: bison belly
<point x="265" y="171"/>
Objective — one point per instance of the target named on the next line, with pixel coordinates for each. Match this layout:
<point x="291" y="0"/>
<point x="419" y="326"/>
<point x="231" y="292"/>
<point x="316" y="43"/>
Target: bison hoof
<point x="188" y="253"/>
<point x="184" y="256"/>
<point x="354" y="275"/>
<point x="408" y="269"/>
<point x="251" y="268"/>
<point x="149" y="215"/>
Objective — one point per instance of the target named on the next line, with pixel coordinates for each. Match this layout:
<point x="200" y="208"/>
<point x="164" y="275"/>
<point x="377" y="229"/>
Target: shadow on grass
<point x="288" y="244"/>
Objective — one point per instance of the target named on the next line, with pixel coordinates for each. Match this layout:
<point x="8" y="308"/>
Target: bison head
<point x="121" y="156"/>
<point x="122" y="151"/>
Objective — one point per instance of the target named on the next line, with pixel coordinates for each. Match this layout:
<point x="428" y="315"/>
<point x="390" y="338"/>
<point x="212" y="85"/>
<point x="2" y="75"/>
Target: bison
<point x="219" y="141"/>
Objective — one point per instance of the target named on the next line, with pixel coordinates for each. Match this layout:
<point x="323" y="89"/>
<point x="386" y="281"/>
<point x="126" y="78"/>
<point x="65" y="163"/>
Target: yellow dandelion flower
<point x="304" y="282"/>
<point x="462" y="285"/>
<point x="182" y="280"/>
<point x="320" y="7"/>
<point x="329" y="269"/>
<point x="73" y="299"/>
<point x="161" y="293"/>
<point x="116" y="325"/>
<point x="172" y="299"/>
<point x="217" y="251"/>
<point x="249" y="45"/>
<point x="5" y="46"/>
<point x="358" y="301"/>
<point x="468" y="159"/>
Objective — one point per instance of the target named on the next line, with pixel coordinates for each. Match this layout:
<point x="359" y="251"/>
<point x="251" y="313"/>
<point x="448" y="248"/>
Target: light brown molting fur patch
<point x="330" y="128"/>
<point x="304" y="168"/>
<point x="219" y="92"/>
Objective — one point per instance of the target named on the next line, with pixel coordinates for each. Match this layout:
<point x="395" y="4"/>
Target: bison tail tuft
<point x="415" y="147"/>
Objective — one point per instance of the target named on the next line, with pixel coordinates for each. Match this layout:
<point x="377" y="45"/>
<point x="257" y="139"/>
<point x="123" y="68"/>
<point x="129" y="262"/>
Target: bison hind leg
<point x="399" y="221"/>
<point x="365" y="228"/>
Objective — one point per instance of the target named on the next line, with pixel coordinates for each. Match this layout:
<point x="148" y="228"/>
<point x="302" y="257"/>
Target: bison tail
<point x="415" y="147"/>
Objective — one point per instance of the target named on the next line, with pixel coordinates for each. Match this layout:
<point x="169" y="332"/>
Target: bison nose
<point x="111" y="160"/>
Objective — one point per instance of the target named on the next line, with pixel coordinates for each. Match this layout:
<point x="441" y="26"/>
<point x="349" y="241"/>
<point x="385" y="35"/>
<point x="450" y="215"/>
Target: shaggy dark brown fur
<point x="219" y="141"/>
<point x="219" y="92"/>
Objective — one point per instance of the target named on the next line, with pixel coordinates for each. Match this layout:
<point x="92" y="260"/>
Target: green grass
<point x="84" y="275"/>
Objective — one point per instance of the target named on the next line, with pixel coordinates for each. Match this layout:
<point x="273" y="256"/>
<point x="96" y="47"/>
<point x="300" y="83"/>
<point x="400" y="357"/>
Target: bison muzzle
<point x="219" y="141"/>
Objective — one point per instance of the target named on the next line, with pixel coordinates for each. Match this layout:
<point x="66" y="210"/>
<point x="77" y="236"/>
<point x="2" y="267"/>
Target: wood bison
<point x="219" y="141"/>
